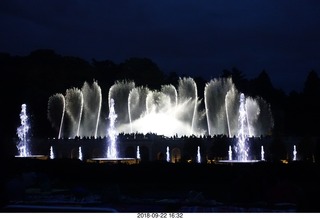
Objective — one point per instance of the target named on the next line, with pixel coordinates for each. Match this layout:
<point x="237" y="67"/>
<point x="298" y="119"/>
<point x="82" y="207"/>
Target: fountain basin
<point x="39" y="157"/>
<point x="239" y="161"/>
<point x="114" y="160"/>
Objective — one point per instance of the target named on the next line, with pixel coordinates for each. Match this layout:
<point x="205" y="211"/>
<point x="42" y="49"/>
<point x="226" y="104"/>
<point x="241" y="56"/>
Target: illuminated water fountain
<point x="51" y="153"/>
<point x="112" y="150"/>
<point x="242" y="148"/>
<point x="138" y="153"/>
<point x="168" y="155"/>
<point x="198" y="155"/>
<point x="80" y="153"/>
<point x="23" y="144"/>
<point x="230" y="153"/>
<point x="294" y="153"/>
<point x="22" y="132"/>
<point x="262" y="153"/>
<point x="142" y="110"/>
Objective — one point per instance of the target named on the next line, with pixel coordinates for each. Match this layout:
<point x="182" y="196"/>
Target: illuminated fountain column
<point x="80" y="154"/>
<point x="242" y="147"/>
<point x="51" y="153"/>
<point x="198" y="155"/>
<point x="262" y="153"/>
<point x="294" y="153"/>
<point x="22" y="133"/>
<point x="168" y="154"/>
<point x="112" y="146"/>
<point x="138" y="152"/>
<point x="230" y="153"/>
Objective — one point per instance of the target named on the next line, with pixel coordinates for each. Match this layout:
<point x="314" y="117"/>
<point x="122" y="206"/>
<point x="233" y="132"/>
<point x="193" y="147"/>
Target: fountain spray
<point x="22" y="132"/>
<point x="112" y="147"/>
<point x="242" y="148"/>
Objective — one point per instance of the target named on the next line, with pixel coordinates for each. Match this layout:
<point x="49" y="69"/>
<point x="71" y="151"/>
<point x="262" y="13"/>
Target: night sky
<point x="195" y="38"/>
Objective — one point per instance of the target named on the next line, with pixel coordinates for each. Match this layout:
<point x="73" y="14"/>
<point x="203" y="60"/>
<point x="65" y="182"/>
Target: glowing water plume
<point x="259" y="118"/>
<point x="112" y="147"/>
<point x="74" y="109"/>
<point x="188" y="94"/>
<point x="51" y="153"/>
<point x="92" y="100"/>
<point x="168" y="155"/>
<point x="157" y="109"/>
<point x="138" y="153"/>
<point x="142" y="110"/>
<point x="215" y="93"/>
<point x="262" y="153"/>
<point x="294" y="153"/>
<point x="137" y="104"/>
<point x="242" y="148"/>
<point x="22" y="132"/>
<point x="170" y="91"/>
<point x="157" y="102"/>
<point x="56" y="110"/>
<point x="251" y="108"/>
<point x="198" y="155"/>
<point x="119" y="92"/>
<point x="227" y="113"/>
<point x="230" y="153"/>
<point x="232" y="111"/>
<point x="80" y="154"/>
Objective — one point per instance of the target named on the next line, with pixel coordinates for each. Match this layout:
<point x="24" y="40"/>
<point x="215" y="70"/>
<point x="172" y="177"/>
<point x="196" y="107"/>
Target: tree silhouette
<point x="310" y="110"/>
<point x="143" y="71"/>
<point x="238" y="78"/>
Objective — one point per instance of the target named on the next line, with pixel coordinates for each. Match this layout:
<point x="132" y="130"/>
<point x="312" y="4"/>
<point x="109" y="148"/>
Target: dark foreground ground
<point x="31" y="185"/>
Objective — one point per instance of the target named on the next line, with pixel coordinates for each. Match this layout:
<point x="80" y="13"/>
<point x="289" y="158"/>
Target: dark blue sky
<point x="199" y="37"/>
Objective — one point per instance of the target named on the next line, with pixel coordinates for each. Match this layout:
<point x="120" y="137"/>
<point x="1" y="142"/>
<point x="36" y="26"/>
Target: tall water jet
<point x="262" y="153"/>
<point x="22" y="132"/>
<point x="112" y="146"/>
<point x="230" y="153"/>
<point x="294" y="153"/>
<point x="80" y="154"/>
<point x="138" y="153"/>
<point x="198" y="155"/>
<point x="51" y="153"/>
<point x="242" y="148"/>
<point x="168" y="155"/>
